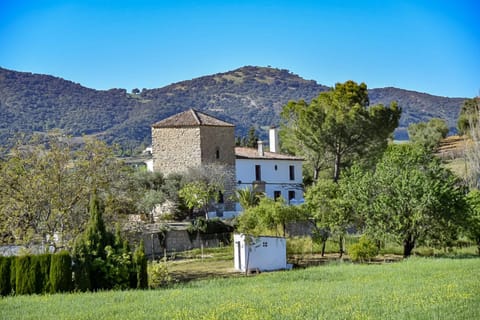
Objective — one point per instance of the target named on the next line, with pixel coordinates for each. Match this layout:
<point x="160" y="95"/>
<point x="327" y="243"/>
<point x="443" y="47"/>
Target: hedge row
<point x="30" y="274"/>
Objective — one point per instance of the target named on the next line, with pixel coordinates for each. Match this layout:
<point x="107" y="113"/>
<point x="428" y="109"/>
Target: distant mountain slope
<point x="246" y="96"/>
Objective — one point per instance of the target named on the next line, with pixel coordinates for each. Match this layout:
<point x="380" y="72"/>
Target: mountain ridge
<point x="245" y="96"/>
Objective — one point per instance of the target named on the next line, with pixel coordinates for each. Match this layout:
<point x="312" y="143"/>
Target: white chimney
<point x="273" y="139"/>
<point x="260" y="148"/>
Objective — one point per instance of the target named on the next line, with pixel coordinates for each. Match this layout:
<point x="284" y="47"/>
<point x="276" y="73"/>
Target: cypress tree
<point x="61" y="272"/>
<point x="89" y="251"/>
<point x="25" y="275"/>
<point x="43" y="272"/>
<point x="13" y="274"/>
<point x="140" y="265"/>
<point x="5" y="287"/>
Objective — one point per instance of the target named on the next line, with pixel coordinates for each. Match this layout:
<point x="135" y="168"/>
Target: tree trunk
<point x="340" y="245"/>
<point x="324" y="244"/>
<point x="336" y="172"/>
<point x="408" y="245"/>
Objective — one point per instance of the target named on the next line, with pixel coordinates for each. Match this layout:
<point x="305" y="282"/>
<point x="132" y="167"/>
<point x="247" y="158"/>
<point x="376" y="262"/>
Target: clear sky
<point x="427" y="46"/>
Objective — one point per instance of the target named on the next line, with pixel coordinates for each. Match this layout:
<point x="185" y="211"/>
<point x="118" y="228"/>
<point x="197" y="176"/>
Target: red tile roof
<point x="191" y="118"/>
<point x="252" y="153"/>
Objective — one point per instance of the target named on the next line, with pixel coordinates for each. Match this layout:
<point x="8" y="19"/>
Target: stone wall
<point x="176" y="241"/>
<point x="174" y="150"/>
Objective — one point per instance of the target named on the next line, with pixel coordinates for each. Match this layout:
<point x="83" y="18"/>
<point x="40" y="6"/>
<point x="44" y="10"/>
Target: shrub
<point x="5" y="286"/>
<point x="13" y="274"/>
<point x="140" y="266"/>
<point x="158" y="275"/>
<point x="60" y="272"/>
<point x="364" y="250"/>
<point x="43" y="272"/>
<point x="25" y="275"/>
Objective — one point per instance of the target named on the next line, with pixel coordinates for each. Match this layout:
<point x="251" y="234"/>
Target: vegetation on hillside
<point x="248" y="96"/>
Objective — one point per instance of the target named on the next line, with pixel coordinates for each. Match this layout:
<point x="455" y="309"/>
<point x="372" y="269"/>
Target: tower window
<point x="217" y="153"/>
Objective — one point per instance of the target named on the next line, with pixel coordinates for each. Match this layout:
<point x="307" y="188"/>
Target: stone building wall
<point x="217" y="145"/>
<point x="174" y="150"/>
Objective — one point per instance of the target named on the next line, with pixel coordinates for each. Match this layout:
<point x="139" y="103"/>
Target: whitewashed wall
<point x="276" y="174"/>
<point x="262" y="253"/>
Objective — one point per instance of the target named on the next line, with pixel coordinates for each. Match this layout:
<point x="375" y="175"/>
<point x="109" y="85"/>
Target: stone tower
<point x="192" y="139"/>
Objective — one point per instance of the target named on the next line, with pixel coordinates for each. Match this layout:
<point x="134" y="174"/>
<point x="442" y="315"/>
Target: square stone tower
<point x="192" y="139"/>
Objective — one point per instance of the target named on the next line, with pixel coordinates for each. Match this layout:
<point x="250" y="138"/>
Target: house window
<point x="291" y="195"/>
<point x="277" y="194"/>
<point x="292" y="172"/>
<point x="265" y="244"/>
<point x="276" y="167"/>
<point x="258" y="172"/>
<point x="217" y="153"/>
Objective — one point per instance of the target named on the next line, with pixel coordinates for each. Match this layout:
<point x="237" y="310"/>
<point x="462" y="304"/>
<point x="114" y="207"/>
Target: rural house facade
<point x="194" y="139"/>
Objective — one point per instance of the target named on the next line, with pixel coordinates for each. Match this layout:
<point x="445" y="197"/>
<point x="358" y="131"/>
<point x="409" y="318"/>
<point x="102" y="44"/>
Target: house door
<point x="239" y="255"/>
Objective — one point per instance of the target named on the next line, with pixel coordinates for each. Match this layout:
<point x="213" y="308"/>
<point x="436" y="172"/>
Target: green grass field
<point x="417" y="288"/>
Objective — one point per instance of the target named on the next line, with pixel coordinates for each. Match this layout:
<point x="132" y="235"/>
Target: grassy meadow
<point x="416" y="288"/>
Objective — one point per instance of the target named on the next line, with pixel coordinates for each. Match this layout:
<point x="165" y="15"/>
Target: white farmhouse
<point x="275" y="174"/>
<point x="192" y="138"/>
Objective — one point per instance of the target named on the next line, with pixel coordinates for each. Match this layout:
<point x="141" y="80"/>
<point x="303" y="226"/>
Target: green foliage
<point x="468" y="117"/>
<point x="248" y="197"/>
<point x="268" y="216"/>
<point x="61" y="272"/>
<point x="26" y="275"/>
<point x="417" y="288"/>
<point x="158" y="275"/>
<point x="364" y="250"/>
<point x="473" y="222"/>
<point x="46" y="186"/>
<point x="5" y="271"/>
<point x="43" y="262"/>
<point x="140" y="267"/>
<point x="102" y="260"/>
<point x="337" y="128"/>
<point x="428" y="134"/>
<point x="38" y="103"/>
<point x="198" y="195"/>
<point x="408" y="190"/>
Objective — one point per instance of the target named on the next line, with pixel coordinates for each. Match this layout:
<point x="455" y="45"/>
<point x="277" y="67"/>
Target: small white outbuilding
<point x="259" y="253"/>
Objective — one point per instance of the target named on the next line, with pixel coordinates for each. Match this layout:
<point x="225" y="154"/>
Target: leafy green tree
<point x="46" y="186"/>
<point x="409" y="196"/>
<point x="428" y="134"/>
<point x="269" y="215"/>
<point x="328" y="205"/>
<point x="338" y="128"/>
<point x="198" y="195"/>
<point x="473" y="222"/>
<point x="252" y="138"/>
<point x="468" y="117"/>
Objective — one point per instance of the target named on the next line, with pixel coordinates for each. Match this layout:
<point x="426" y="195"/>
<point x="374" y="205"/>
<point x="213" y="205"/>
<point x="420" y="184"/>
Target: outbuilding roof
<point x="191" y="118"/>
<point x="252" y="153"/>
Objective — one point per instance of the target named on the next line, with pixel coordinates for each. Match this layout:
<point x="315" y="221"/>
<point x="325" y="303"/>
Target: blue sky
<point x="427" y="46"/>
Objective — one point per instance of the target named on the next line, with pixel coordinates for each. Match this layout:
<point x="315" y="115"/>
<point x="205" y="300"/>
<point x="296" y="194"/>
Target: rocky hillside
<point x="246" y="96"/>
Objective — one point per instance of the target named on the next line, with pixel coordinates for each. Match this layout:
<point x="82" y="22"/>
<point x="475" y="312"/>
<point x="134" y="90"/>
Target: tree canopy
<point x="46" y="185"/>
<point x="409" y="196"/>
<point x="337" y="128"/>
<point x="468" y="115"/>
<point x="428" y="134"/>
